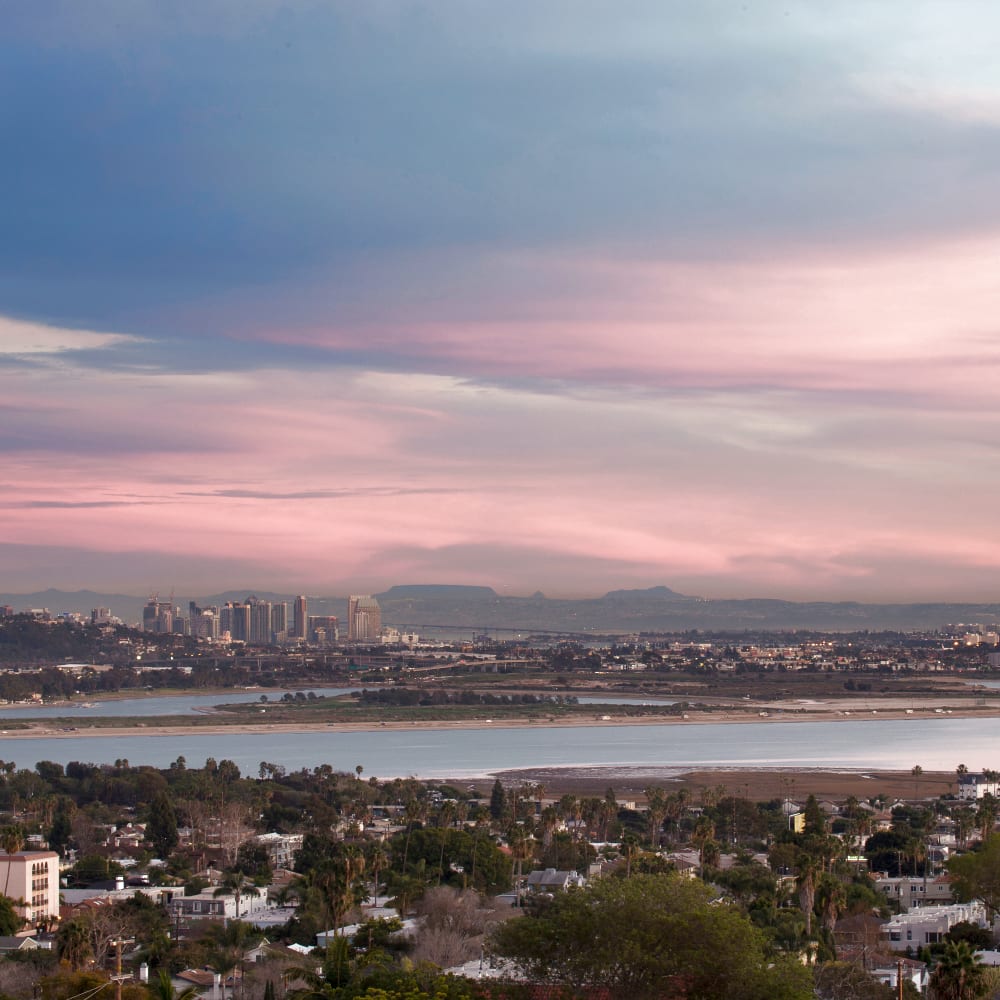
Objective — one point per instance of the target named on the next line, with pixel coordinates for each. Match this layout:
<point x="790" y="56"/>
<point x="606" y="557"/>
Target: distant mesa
<point x="658" y="593"/>
<point x="654" y="609"/>
<point x="437" y="592"/>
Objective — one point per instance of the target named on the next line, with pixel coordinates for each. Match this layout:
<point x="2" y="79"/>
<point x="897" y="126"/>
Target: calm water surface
<point x="934" y="744"/>
<point x="623" y="700"/>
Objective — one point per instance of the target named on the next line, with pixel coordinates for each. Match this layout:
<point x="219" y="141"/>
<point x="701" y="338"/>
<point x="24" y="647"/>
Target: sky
<point x="547" y="295"/>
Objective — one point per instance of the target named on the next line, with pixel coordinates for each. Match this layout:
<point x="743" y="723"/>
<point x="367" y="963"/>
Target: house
<point x="9" y="944"/>
<point x="910" y="891"/>
<point x="281" y="848"/>
<point x="551" y="880"/>
<point x="208" y="982"/>
<point x="204" y="904"/>
<point x="889" y="970"/>
<point x="975" y="786"/>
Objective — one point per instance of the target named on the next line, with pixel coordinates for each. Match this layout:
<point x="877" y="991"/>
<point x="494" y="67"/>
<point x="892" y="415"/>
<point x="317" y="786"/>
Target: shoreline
<point x="786" y="715"/>
<point x="753" y="782"/>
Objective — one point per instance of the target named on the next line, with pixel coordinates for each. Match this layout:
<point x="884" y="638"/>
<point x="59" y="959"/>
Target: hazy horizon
<point x="343" y="592"/>
<point x="539" y="296"/>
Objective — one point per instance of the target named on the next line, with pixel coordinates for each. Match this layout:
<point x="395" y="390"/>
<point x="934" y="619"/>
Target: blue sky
<point x="560" y="296"/>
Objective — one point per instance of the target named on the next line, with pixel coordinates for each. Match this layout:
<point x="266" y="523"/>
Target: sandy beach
<point x="746" y="714"/>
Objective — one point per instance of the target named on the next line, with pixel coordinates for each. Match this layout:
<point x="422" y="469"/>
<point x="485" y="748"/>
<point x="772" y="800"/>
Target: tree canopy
<point x="10" y="922"/>
<point x="977" y="875"/>
<point x="650" y="936"/>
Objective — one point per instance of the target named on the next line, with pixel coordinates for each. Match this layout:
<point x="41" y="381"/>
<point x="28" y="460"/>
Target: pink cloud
<point x="803" y="426"/>
<point x="904" y="318"/>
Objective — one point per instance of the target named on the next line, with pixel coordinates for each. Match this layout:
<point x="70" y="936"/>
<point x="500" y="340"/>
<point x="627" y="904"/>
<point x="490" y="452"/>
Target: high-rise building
<point x="279" y="621"/>
<point x="323" y="629"/>
<point x="300" y="621"/>
<point x="260" y="620"/>
<point x="364" y="618"/>
<point x="204" y="621"/>
<point x="235" y="619"/>
<point x="157" y="616"/>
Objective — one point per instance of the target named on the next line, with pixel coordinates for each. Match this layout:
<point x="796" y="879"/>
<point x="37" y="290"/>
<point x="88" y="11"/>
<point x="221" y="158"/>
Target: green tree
<point x="252" y="861"/>
<point x="61" y="829"/>
<point x="10" y="922"/>
<point x="498" y="801"/>
<point x="986" y="815"/>
<point x="977" y="875"/>
<point x="649" y="936"/>
<point x="94" y="868"/>
<point x="73" y="943"/>
<point x="483" y="865"/>
<point x="161" y="828"/>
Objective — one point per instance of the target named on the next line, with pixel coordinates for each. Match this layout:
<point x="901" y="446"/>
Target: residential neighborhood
<point x="226" y="883"/>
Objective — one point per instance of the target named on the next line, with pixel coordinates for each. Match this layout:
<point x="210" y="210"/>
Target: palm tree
<point x="807" y="890"/>
<point x="630" y="849"/>
<point x="656" y="804"/>
<point x="960" y="772"/>
<point x="547" y="824"/>
<point x="163" y="989"/>
<point x="228" y="944"/>
<point x="234" y="883"/>
<point x="415" y="810"/>
<point x="335" y="884"/>
<point x="446" y="815"/>
<point x="482" y="826"/>
<point x="73" y="943"/>
<point x="675" y="807"/>
<point x="566" y="806"/>
<point x="378" y="860"/>
<point x="442" y="833"/>
<point x="702" y="835"/>
<point x="965" y="823"/>
<point x="324" y="983"/>
<point x="832" y="899"/>
<point x="521" y="847"/>
<point x="958" y="975"/>
<point x="986" y="815"/>
<point x="12" y="840"/>
<point x="916" y="771"/>
<point x="539" y="793"/>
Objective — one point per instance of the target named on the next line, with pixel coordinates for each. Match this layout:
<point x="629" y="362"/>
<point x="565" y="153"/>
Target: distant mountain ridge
<point x="656" y="609"/>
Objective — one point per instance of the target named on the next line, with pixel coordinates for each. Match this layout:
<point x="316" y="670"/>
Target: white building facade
<point x="31" y="880"/>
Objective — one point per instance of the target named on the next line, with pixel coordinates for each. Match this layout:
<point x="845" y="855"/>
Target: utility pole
<point x="118" y="977"/>
<point x="899" y="978"/>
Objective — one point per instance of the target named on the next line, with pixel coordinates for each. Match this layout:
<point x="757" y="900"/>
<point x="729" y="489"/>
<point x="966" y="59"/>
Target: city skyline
<point x="542" y="297"/>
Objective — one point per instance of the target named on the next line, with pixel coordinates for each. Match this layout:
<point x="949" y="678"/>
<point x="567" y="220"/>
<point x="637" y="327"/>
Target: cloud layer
<point x="558" y="296"/>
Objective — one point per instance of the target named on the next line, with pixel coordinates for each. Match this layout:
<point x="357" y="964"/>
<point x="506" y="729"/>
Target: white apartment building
<point x="929" y="924"/>
<point x="975" y="786"/>
<point x="31" y="880"/>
